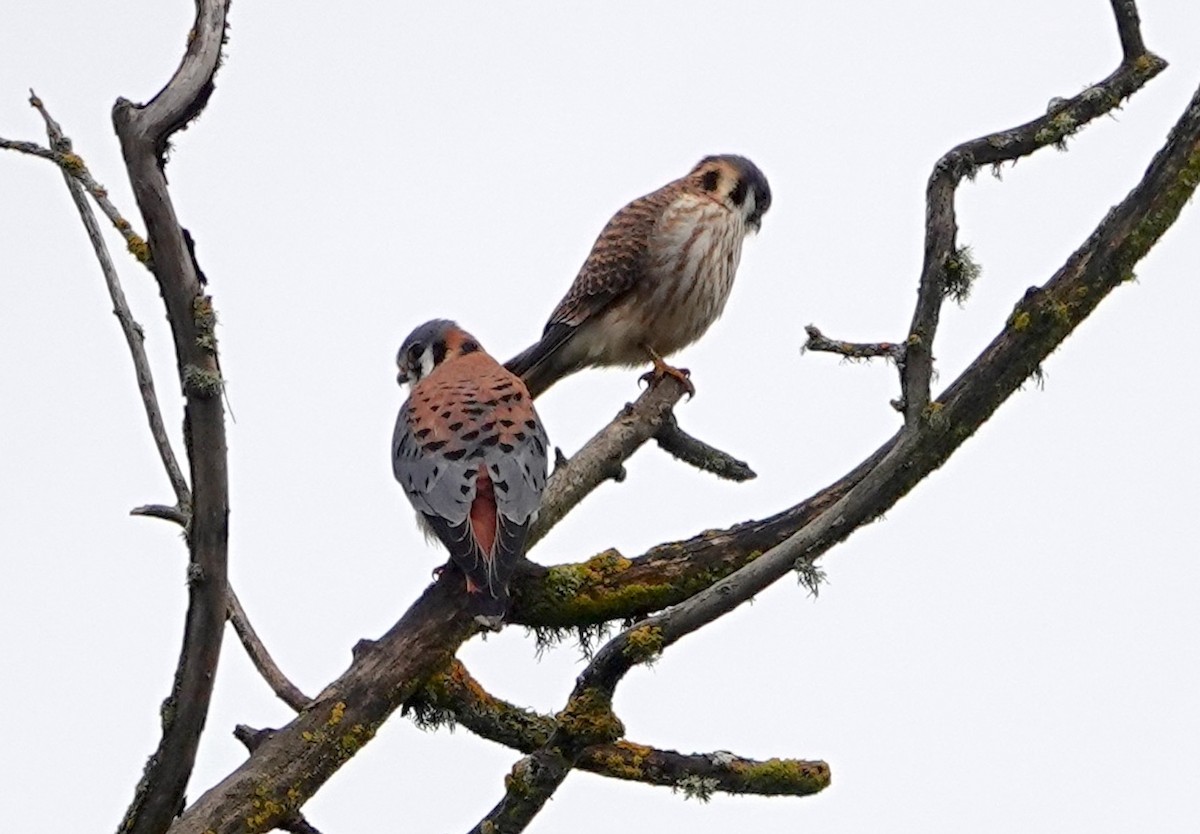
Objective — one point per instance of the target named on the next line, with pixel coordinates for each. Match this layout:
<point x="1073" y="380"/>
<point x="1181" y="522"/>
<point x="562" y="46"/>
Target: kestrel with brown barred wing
<point x="470" y="453"/>
<point x="657" y="277"/>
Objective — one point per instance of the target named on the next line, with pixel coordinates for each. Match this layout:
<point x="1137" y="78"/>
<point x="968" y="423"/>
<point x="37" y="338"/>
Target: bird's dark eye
<point x="439" y="352"/>
<point x="414" y="353"/>
<point x="739" y="192"/>
<point x="709" y="181"/>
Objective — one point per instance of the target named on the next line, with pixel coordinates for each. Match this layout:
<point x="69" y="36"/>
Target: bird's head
<point x="737" y="182"/>
<point x="430" y="345"/>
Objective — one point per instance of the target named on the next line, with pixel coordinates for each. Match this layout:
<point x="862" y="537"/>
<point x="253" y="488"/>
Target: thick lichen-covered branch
<point x="454" y="698"/>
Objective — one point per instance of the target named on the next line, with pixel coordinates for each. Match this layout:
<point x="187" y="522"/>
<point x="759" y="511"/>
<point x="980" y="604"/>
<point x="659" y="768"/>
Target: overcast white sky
<point x="1013" y="648"/>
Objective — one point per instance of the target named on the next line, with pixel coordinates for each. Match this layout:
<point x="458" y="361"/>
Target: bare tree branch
<point x="73" y="165"/>
<point x="287" y="691"/>
<point x="945" y="263"/>
<point x="454" y="697"/>
<point x="1129" y="27"/>
<point x="818" y="343"/>
<point x="682" y="446"/>
<point x="601" y="457"/>
<point x="172" y="514"/>
<point x="144" y="133"/>
<point x="134" y="335"/>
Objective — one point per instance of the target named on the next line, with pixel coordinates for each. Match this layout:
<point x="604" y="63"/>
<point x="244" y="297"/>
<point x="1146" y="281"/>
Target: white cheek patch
<point x="426" y="363"/>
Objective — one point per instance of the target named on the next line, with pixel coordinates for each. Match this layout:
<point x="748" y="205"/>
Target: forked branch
<point x="454" y="697"/>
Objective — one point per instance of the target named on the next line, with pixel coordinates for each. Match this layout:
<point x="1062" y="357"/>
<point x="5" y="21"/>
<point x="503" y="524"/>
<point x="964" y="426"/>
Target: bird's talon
<point x="662" y="369"/>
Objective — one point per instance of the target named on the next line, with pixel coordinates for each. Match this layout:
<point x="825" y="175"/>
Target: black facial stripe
<point x="439" y="352"/>
<point x="762" y="197"/>
<point x="739" y="192"/>
<point x="709" y="181"/>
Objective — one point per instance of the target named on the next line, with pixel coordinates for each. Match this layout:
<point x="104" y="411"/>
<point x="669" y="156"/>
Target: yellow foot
<point x="662" y="369"/>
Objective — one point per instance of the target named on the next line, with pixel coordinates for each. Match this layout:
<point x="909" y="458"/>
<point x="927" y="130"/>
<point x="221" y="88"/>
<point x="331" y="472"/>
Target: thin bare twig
<point x="280" y="684"/>
<point x="682" y="446"/>
<point x="172" y="514"/>
<point x="73" y="165"/>
<point x="134" y="335"/>
<point x="819" y="343"/>
<point x="287" y="691"/>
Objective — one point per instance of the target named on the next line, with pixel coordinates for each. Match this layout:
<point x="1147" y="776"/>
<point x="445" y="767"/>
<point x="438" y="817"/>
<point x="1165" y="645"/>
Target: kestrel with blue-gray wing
<point x="657" y="277"/>
<point x="470" y="453"/>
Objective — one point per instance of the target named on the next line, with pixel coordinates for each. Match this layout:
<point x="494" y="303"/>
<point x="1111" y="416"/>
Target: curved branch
<point x="454" y="697"/>
<point x="144" y="133"/>
<point x="287" y="691"/>
<point x="945" y="267"/>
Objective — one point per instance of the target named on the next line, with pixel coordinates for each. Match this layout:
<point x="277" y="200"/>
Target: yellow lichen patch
<point x="782" y="777"/>
<point x="138" y="248"/>
<point x="73" y="163"/>
<point x="643" y="644"/>
<point x="934" y="417"/>
<point x="269" y="811"/>
<point x="622" y="760"/>
<point x="336" y="714"/>
<point x="515" y="782"/>
<point x="1020" y="320"/>
<point x="589" y="719"/>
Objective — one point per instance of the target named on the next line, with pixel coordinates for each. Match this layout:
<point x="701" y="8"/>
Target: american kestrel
<point x="470" y="453"/>
<point x="657" y="277"/>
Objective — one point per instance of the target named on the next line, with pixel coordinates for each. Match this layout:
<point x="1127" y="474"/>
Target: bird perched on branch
<point x="470" y="453"/>
<point x="657" y="277"/>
